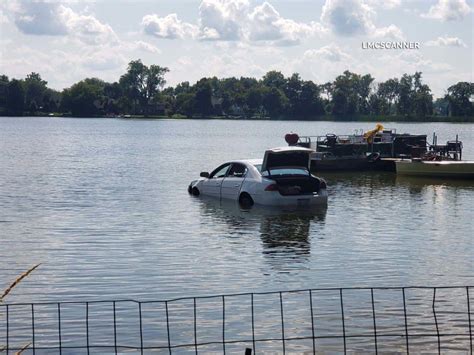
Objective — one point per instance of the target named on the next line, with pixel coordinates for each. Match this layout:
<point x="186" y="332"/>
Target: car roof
<point x="248" y="161"/>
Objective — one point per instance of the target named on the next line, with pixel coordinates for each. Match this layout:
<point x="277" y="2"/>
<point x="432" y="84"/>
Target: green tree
<point x="441" y="107"/>
<point x="85" y="98"/>
<point x="182" y="88"/>
<point x="292" y="90"/>
<point x="310" y="102"/>
<point x="423" y="101"/>
<point x="375" y="103"/>
<point x="414" y="97"/>
<point x="253" y="101"/>
<point x="35" y="88"/>
<point x="461" y="99"/>
<point x="142" y="83"/>
<point x="15" y="97"/>
<point x="3" y="92"/>
<point x="202" y="98"/>
<point x="405" y="95"/>
<point x="422" y="97"/>
<point x="274" y="101"/>
<point x="51" y="100"/>
<point x="274" y="79"/>
<point x="185" y="104"/>
<point x="363" y="85"/>
<point x="345" y="99"/>
<point x="387" y="93"/>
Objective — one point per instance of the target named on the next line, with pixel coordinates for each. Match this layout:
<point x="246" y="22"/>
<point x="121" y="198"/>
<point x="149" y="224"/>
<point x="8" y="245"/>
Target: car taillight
<point x="271" y="187"/>
<point x="322" y="185"/>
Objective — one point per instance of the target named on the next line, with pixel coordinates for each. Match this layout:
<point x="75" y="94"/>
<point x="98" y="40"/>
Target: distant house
<point x="216" y="103"/>
<point x="236" y="110"/>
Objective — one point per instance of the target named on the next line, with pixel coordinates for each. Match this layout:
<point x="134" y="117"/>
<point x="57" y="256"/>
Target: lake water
<point x="103" y="205"/>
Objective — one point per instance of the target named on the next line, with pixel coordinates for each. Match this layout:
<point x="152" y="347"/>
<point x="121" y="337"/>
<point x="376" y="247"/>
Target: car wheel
<point x="195" y="191"/>
<point x="245" y="200"/>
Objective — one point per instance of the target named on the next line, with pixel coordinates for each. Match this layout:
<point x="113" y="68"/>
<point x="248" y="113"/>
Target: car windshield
<point x="286" y="171"/>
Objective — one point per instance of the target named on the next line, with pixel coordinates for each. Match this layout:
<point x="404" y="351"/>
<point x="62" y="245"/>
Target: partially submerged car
<point x="282" y="178"/>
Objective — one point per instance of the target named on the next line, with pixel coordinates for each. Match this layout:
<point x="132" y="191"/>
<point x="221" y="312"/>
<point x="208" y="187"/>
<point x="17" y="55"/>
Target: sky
<point x="67" y="41"/>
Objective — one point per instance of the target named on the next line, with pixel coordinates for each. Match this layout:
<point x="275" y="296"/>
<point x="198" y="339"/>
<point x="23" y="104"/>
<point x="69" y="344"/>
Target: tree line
<point x="141" y="91"/>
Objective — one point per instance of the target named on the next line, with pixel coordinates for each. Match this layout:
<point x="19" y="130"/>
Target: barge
<point x="428" y="168"/>
<point x="376" y="149"/>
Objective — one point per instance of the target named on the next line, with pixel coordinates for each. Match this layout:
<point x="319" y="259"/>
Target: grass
<point x="16" y="282"/>
<point x="10" y="289"/>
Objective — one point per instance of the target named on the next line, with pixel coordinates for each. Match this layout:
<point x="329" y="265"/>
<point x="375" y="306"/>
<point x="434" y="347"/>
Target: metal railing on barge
<point x="361" y="319"/>
<point x="387" y="143"/>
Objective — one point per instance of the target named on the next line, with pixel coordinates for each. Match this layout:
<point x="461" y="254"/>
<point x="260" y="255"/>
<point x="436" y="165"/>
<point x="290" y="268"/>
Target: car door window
<point x="220" y="172"/>
<point x="237" y="170"/>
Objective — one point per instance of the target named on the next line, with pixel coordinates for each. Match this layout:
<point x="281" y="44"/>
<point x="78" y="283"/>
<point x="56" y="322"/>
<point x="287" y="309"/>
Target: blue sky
<point x="66" y="41"/>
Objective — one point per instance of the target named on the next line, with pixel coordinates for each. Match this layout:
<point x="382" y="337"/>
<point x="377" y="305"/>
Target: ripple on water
<point x="102" y="204"/>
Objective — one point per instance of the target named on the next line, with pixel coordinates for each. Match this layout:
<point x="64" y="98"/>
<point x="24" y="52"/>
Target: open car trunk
<point x="297" y="185"/>
<point x="286" y="156"/>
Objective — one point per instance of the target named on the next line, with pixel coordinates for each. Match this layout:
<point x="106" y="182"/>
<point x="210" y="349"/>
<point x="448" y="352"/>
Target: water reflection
<point x="373" y="180"/>
<point x="284" y="233"/>
<point x="288" y="232"/>
<point x="414" y="181"/>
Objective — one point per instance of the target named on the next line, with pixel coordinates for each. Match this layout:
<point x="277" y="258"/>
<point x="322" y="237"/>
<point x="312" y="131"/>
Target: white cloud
<point x="347" y="17"/>
<point x="170" y="27"/>
<point x="266" y="24"/>
<point x="327" y="62"/>
<point x="447" y="42"/>
<point x="448" y="10"/>
<point x="222" y="19"/>
<point x="55" y="19"/>
<point x="61" y="68"/>
<point x="233" y="20"/>
<point x="355" y="17"/>
<point x="87" y="28"/>
<point x="146" y="47"/>
<point x="3" y="18"/>
<point x="418" y="62"/>
<point x="386" y="4"/>
<point x="102" y="60"/>
<point x="330" y="53"/>
<point x="391" y="32"/>
<point x="324" y="64"/>
<point x="38" y="18"/>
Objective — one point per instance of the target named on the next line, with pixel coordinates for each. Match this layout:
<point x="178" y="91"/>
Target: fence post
<point x="282" y="324"/>
<point x="59" y="329"/>
<point x="253" y="322"/>
<point x="343" y="322"/>
<point x="406" y="320"/>
<point x="469" y="318"/>
<point x="373" y="316"/>
<point x="312" y="321"/>
<point x="436" y="320"/>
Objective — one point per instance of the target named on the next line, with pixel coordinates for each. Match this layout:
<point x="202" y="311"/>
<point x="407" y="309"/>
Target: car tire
<point x="195" y="191"/>
<point x="245" y="200"/>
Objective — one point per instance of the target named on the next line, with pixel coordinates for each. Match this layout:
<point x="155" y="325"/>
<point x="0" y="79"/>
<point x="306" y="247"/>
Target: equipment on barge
<point x="376" y="149"/>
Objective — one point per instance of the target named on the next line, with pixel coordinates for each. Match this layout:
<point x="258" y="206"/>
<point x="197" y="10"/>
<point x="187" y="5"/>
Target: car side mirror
<point x="204" y="174"/>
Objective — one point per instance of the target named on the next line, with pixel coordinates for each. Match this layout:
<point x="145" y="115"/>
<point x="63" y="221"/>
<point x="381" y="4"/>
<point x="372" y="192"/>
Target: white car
<point x="282" y="178"/>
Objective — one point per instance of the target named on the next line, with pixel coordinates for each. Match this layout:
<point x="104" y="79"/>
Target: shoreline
<point x="324" y="118"/>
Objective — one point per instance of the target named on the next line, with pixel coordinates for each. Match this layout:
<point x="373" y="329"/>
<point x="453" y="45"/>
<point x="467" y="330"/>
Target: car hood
<point x="286" y="156"/>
